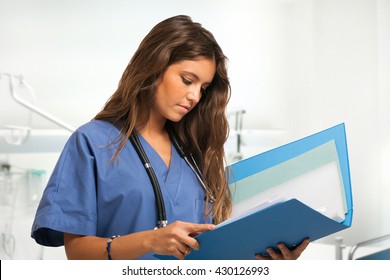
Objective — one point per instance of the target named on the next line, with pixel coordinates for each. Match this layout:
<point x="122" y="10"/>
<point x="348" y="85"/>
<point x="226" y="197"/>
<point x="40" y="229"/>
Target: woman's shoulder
<point x="96" y="127"/>
<point x="97" y="130"/>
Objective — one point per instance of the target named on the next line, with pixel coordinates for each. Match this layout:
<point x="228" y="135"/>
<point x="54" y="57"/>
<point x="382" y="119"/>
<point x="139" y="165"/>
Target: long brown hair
<point x="204" y="130"/>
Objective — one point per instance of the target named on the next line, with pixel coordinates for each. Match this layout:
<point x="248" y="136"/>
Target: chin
<point x="176" y="118"/>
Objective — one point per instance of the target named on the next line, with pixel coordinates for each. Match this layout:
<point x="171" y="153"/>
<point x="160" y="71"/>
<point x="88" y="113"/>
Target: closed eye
<point x="186" y="81"/>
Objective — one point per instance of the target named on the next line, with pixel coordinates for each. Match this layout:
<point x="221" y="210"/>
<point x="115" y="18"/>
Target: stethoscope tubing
<point x="161" y="213"/>
<point x="194" y="166"/>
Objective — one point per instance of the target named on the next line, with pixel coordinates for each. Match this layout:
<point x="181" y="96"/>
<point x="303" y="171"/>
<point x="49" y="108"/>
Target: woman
<point x="100" y="202"/>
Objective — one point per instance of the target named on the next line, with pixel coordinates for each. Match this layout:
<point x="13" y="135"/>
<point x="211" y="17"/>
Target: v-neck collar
<point x="169" y="178"/>
<point x="154" y="157"/>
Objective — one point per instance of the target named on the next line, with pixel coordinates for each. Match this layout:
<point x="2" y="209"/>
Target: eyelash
<point x="189" y="82"/>
<point x="186" y="81"/>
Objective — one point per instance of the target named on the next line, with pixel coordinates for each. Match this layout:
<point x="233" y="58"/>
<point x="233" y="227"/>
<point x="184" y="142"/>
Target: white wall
<point x="296" y="66"/>
<point x="336" y="70"/>
<point x="383" y="9"/>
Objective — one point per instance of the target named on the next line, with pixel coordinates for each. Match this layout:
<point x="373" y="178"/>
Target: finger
<point x="271" y="252"/>
<point x="194" y="230"/>
<point x="286" y="253"/>
<point x="197" y="228"/>
<point x="301" y="247"/>
<point x="191" y="242"/>
<point x="179" y="254"/>
<point x="184" y="251"/>
<point x="194" y="234"/>
<point x="262" y="257"/>
<point x="294" y="253"/>
<point x="187" y="251"/>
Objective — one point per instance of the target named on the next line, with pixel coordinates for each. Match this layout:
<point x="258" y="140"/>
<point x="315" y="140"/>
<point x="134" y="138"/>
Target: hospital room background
<point x="296" y="67"/>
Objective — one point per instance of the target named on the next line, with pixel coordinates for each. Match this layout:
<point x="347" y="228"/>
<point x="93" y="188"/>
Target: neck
<point x="155" y="127"/>
<point x="157" y="136"/>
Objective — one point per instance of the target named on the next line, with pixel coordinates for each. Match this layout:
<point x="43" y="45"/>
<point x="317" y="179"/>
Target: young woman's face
<point x="181" y="87"/>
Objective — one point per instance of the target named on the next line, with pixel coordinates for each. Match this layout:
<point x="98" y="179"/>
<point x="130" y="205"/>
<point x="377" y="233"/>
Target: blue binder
<point x="290" y="221"/>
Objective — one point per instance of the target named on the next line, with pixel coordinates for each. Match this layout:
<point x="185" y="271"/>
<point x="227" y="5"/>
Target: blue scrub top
<point x="88" y="194"/>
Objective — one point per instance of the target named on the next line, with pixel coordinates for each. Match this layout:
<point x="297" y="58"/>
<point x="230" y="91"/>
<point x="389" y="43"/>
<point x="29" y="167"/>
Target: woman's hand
<point x="177" y="239"/>
<point x="285" y="253"/>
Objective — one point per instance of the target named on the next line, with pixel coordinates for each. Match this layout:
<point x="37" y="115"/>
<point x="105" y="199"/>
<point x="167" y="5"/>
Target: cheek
<point x="165" y="87"/>
<point x="160" y="100"/>
<point x="172" y="92"/>
<point x="171" y="89"/>
<point x="163" y="98"/>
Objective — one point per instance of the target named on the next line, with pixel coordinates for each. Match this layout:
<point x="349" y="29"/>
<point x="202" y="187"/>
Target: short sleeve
<point x="68" y="203"/>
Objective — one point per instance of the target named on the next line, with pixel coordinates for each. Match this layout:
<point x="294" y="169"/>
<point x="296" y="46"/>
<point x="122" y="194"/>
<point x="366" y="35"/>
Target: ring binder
<point x="289" y="221"/>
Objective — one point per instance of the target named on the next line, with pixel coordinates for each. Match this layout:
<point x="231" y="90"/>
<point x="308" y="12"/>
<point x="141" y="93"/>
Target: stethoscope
<point x="189" y="159"/>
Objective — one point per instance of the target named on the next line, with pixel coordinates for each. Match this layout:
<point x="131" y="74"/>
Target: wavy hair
<point x="204" y="130"/>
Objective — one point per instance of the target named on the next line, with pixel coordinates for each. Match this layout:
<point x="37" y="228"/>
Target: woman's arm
<point x="175" y="239"/>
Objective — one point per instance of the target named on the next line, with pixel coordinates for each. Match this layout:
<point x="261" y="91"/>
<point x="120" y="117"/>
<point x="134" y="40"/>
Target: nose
<point x="194" y="95"/>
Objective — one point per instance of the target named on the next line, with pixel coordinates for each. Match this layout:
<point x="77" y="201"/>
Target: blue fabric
<point x="89" y="195"/>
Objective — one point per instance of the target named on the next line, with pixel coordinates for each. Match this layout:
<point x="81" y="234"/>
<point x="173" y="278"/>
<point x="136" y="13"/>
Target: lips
<point x="185" y="107"/>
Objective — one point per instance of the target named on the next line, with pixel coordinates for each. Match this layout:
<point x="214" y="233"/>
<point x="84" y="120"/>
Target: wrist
<point x="148" y="241"/>
<point x="108" y="246"/>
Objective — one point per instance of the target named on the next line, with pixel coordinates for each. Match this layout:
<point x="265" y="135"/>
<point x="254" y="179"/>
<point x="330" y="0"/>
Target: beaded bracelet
<point x="108" y="248"/>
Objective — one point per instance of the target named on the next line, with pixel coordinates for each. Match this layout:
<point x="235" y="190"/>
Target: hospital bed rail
<point x="384" y="254"/>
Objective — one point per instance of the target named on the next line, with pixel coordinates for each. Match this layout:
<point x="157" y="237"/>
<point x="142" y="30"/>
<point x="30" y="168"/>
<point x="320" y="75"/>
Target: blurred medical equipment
<point x="19" y="136"/>
<point x="8" y="193"/>
<point x="378" y="253"/>
<point x="246" y="142"/>
<point x="238" y="116"/>
<point x="20" y="191"/>
<point x="22" y="187"/>
<point x="30" y="105"/>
